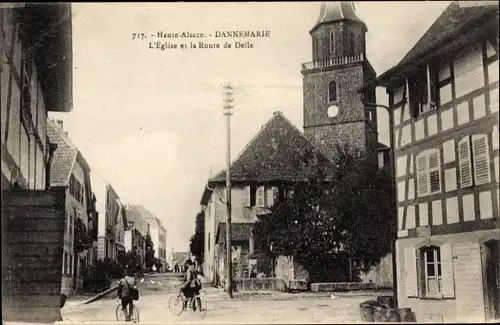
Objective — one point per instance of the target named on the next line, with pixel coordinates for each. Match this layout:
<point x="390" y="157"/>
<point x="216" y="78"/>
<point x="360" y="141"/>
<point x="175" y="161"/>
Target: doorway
<point x="492" y="276"/>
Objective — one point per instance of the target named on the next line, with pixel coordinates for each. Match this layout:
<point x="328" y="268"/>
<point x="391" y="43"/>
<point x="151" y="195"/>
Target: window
<point x="429" y="271"/>
<point x="419" y="85"/>
<point x="315" y="49"/>
<point x="289" y="194"/>
<point x="474" y="162"/>
<point x="332" y="42"/>
<point x="332" y="91"/>
<point x="209" y="242"/>
<point x="261" y="196"/>
<point x="246" y="196"/>
<point x="428" y="172"/>
<point x="272" y="195"/>
<point x="432" y="273"/>
<point x="27" y="73"/>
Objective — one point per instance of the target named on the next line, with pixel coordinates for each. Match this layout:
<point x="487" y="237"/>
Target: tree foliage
<point x="197" y="241"/>
<point x="150" y="252"/>
<point x="335" y="224"/>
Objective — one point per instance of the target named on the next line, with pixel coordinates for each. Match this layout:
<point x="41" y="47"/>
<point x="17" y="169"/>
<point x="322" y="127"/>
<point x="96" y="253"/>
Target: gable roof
<point x="239" y="231"/>
<point x="278" y="152"/>
<point x="64" y="156"/>
<point x="455" y="20"/>
<point x="146" y="215"/>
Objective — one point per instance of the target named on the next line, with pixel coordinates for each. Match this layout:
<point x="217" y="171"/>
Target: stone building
<point x="444" y="94"/>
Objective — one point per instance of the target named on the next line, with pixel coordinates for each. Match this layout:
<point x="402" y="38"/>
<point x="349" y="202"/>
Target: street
<point x="266" y="307"/>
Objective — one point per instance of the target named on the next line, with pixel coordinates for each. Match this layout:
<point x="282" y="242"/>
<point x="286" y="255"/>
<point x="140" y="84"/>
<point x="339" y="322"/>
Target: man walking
<point x="125" y="287"/>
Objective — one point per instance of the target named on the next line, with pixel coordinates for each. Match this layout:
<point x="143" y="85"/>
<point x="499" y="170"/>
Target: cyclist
<point x="192" y="284"/>
<point x="125" y="286"/>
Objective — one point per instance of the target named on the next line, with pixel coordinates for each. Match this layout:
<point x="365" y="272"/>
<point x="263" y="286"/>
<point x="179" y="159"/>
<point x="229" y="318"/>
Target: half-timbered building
<point x="444" y="94"/>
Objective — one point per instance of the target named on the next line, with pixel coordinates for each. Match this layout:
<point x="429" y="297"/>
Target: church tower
<point x="333" y="106"/>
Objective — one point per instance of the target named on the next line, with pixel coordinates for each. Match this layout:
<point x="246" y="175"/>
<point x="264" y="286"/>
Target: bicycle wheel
<point x="120" y="315"/>
<point x="176" y="305"/>
<point x="197" y="302"/>
<point x="135" y="315"/>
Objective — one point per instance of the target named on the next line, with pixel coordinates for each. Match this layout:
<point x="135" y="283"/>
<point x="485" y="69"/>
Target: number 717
<point x="138" y="36"/>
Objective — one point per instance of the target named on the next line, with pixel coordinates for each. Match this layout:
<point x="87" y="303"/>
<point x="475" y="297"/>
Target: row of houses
<point x="444" y="95"/>
<point x="58" y="216"/>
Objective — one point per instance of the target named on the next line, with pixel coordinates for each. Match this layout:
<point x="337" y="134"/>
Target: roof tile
<point x="278" y="152"/>
<point x="63" y="158"/>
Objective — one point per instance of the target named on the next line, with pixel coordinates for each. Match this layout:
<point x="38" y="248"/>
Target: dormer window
<point x="422" y="87"/>
<point x="332" y="91"/>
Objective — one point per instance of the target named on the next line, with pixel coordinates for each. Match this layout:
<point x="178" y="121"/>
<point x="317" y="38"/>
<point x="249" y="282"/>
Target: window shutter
<point x="434" y="172"/>
<point x="411" y="272"/>
<point x="276" y="194"/>
<point x="246" y="196"/>
<point x="481" y="159"/>
<point x="447" y="276"/>
<point x="269" y="197"/>
<point x="422" y="171"/>
<point x="464" y="162"/>
<point x="260" y="196"/>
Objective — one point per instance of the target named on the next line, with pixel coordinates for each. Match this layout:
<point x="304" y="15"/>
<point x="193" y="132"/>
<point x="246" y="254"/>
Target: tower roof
<point x="332" y="11"/>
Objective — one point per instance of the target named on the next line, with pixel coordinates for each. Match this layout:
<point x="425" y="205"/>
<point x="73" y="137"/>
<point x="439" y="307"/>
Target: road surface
<point x="264" y="308"/>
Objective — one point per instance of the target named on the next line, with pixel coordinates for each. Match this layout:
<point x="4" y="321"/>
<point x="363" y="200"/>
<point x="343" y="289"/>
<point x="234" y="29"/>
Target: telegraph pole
<point x="228" y="99"/>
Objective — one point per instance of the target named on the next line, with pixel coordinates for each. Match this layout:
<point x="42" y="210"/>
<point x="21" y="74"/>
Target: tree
<point x="337" y="224"/>
<point x="197" y="241"/>
<point x="150" y="252"/>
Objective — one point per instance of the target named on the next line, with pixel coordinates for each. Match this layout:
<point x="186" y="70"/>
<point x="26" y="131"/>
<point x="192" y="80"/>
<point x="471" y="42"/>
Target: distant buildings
<point x="445" y="97"/>
<point x="70" y="170"/>
<point x="112" y="219"/>
<point x="135" y="235"/>
<point x="157" y="232"/>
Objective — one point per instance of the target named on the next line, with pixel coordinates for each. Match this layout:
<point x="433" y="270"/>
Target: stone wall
<point x="260" y="284"/>
<point x="380" y="275"/>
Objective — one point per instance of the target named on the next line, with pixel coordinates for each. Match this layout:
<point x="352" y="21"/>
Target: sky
<point x="150" y="122"/>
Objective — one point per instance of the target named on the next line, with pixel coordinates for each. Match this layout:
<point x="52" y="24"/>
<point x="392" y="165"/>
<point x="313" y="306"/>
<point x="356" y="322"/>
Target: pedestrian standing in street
<point x="126" y="287"/>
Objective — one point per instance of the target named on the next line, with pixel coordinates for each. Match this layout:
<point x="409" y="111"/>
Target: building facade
<point x="445" y="98"/>
<point x="157" y="232"/>
<point x="112" y="220"/>
<point x="70" y="170"/>
<point x="264" y="170"/>
<point x="333" y="110"/>
<point x="27" y="94"/>
<point x="33" y="81"/>
<point x="135" y="235"/>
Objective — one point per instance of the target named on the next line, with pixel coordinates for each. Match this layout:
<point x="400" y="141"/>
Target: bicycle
<point x="120" y="313"/>
<point x="180" y="300"/>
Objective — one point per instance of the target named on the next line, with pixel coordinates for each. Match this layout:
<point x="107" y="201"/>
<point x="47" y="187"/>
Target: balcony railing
<point x="332" y="62"/>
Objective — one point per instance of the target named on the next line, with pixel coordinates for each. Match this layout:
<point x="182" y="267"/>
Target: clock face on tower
<point x="332" y="111"/>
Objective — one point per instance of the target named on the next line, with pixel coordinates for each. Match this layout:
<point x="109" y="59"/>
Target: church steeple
<point x="338" y="32"/>
<point x="334" y="11"/>
<point x="333" y="108"/>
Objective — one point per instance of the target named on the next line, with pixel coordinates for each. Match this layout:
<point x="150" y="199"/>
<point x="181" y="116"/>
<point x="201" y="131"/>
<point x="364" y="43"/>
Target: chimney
<point x="60" y="124"/>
